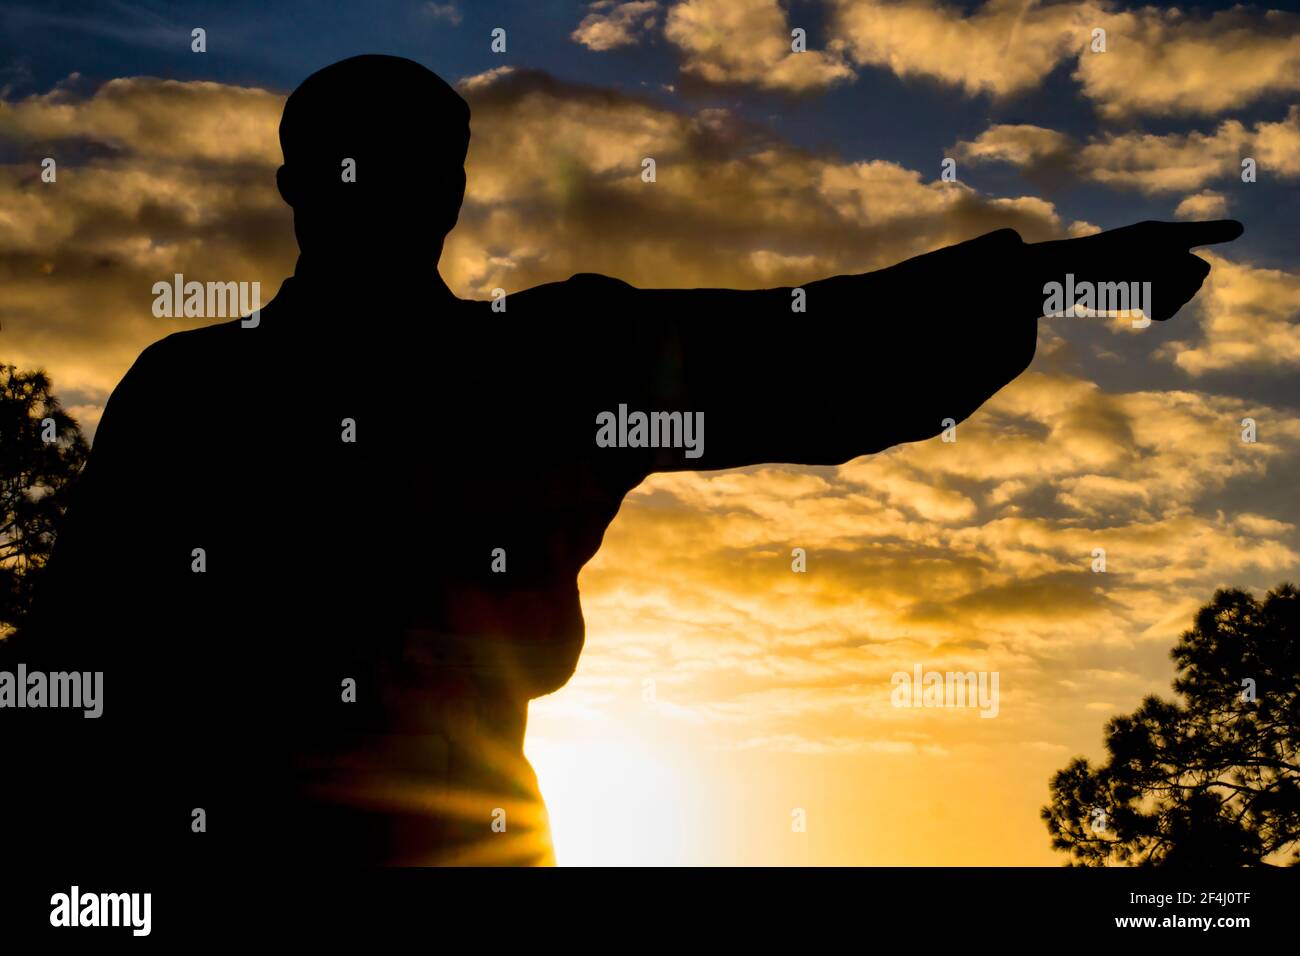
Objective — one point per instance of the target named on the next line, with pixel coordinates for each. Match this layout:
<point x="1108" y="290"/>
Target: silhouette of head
<point x="405" y="133"/>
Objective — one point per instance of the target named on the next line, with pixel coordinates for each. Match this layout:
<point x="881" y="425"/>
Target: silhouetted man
<point x="325" y="561"/>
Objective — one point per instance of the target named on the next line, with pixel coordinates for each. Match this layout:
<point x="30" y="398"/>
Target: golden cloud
<point x="609" y="25"/>
<point x="1001" y="48"/>
<point x="1165" y="61"/>
<point x="1250" y="318"/>
<point x="748" y="41"/>
<point x="730" y="205"/>
<point x="1155" y="61"/>
<point x="157" y="177"/>
<point x="168" y="119"/>
<point x="974" y="554"/>
<point x="1151" y="163"/>
<point x="1206" y="204"/>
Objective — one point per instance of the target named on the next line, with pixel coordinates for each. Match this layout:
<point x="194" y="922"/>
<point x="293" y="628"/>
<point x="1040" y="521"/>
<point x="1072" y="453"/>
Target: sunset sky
<point x="720" y="691"/>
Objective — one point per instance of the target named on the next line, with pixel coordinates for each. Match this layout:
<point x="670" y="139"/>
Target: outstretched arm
<point x="885" y="357"/>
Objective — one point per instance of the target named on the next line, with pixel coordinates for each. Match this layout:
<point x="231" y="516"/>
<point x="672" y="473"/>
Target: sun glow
<point x="612" y="802"/>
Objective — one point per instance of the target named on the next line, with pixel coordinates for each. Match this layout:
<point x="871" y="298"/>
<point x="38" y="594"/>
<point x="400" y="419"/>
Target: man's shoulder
<point x="595" y="280"/>
<point x="580" y="285"/>
<point x="182" y="356"/>
<point x="191" y="342"/>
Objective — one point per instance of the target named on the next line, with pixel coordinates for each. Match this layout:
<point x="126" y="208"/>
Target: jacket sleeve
<point x="871" y="361"/>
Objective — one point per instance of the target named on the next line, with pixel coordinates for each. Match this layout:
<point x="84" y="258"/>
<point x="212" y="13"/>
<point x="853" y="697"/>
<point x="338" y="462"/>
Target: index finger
<point x="1205" y="233"/>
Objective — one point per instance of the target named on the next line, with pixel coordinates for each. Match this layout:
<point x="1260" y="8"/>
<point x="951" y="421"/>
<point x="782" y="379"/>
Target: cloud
<point x="748" y="41"/>
<point x="968" y="556"/>
<point x="160" y="176"/>
<point x="131" y="25"/>
<point x="153" y="177"/>
<point x="168" y="119"/>
<point x="1249" y="319"/>
<point x="1148" y="162"/>
<point x="447" y="12"/>
<point x="477" y="81"/>
<point x="1277" y="145"/>
<point x="1165" y="61"/>
<point x="609" y="25"/>
<point x="1160" y="62"/>
<point x="973" y="555"/>
<point x="1206" y="204"/>
<point x="1000" y="49"/>
<point x="1020" y="144"/>
<point x="731" y="205"/>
